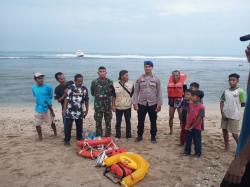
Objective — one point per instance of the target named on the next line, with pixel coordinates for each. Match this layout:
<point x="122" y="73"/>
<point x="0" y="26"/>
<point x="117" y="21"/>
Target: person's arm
<point x="92" y="88"/>
<point x="184" y="89"/>
<point x="222" y="100"/>
<point x="86" y="108"/>
<point x="64" y="94"/>
<point x="51" y="111"/>
<point x="50" y="101"/>
<point x="65" y="104"/>
<point x="113" y="104"/>
<point x="63" y="97"/>
<point x="113" y="94"/>
<point x="242" y="97"/>
<point x="159" y="96"/>
<point x="132" y="91"/>
<point x="237" y="167"/>
<point x="86" y="103"/>
<point x="136" y="94"/>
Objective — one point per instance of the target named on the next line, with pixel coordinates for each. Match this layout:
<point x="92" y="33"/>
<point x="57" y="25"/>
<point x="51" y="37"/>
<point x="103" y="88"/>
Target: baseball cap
<point x="38" y="75"/>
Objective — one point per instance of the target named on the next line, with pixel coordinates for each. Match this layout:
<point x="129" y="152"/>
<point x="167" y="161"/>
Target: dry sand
<point x="24" y="161"/>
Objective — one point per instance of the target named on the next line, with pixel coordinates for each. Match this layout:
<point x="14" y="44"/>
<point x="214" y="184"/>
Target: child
<point x="77" y="96"/>
<point x="43" y="94"/>
<point x="195" y="115"/>
<point x="185" y="104"/>
<point x="231" y="101"/>
<point x="194" y="86"/>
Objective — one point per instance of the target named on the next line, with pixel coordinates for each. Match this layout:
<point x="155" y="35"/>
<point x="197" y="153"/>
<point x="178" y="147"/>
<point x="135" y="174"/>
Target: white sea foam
<point x="128" y="56"/>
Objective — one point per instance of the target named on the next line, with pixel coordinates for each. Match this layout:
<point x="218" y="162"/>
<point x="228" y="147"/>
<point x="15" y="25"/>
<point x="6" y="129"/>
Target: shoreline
<point x="27" y="162"/>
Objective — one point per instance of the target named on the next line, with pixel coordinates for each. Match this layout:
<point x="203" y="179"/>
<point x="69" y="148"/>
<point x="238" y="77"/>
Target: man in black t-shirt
<point x="59" y="93"/>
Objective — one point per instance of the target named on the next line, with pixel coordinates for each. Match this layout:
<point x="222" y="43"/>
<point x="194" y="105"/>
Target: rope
<point x="103" y="148"/>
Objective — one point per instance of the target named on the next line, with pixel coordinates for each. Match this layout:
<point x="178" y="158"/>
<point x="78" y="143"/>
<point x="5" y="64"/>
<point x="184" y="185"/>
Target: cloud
<point x="125" y="25"/>
<point x="183" y="7"/>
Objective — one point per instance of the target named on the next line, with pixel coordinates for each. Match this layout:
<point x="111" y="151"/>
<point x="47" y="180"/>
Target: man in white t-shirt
<point x="231" y="101"/>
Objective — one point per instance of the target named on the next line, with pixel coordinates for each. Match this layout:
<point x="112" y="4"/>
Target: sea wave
<point x="106" y="56"/>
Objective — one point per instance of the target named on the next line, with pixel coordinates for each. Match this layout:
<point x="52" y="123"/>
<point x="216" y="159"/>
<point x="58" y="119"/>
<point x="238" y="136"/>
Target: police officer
<point x="102" y="89"/>
<point x="147" y="99"/>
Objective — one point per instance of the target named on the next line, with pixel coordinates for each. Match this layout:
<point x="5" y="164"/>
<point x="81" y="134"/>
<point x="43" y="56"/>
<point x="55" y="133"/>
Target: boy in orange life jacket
<point x="176" y="90"/>
<point x="195" y="115"/>
<point x="185" y="105"/>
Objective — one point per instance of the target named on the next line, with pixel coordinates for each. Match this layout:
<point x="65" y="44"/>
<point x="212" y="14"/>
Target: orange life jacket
<point x="176" y="89"/>
<point x="120" y="171"/>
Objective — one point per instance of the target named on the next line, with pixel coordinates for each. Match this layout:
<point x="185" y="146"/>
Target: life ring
<point x="95" y="143"/>
<point x="137" y="175"/>
<point x="128" y="162"/>
<point x="94" y="153"/>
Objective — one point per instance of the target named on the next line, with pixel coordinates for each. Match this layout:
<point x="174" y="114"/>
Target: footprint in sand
<point x="18" y="171"/>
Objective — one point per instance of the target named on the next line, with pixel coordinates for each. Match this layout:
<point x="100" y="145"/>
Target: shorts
<point x="232" y="125"/>
<point x="175" y="102"/>
<point x="41" y="118"/>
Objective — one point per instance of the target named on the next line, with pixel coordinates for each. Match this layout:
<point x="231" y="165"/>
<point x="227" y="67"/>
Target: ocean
<point x="17" y="70"/>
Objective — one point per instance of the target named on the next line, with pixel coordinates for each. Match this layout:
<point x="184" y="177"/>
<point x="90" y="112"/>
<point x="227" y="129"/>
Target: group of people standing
<point x="145" y="96"/>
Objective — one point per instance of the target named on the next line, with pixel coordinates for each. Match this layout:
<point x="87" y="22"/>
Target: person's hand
<point x="236" y="170"/>
<point x="247" y="51"/>
<point x="188" y="128"/>
<point x="113" y="108"/>
<point x="136" y="107"/>
<point x="158" y="108"/>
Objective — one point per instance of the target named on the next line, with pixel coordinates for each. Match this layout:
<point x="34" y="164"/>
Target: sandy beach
<point x="26" y="161"/>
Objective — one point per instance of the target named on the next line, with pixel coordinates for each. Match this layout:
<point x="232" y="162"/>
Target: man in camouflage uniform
<point x="103" y="90"/>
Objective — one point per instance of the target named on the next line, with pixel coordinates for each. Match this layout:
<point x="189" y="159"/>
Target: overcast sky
<point x="175" y="27"/>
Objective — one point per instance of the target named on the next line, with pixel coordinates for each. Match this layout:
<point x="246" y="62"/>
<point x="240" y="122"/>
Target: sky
<point x="168" y="27"/>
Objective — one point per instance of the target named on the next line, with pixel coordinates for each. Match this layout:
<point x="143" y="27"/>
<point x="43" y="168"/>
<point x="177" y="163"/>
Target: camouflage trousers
<point x="98" y="115"/>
